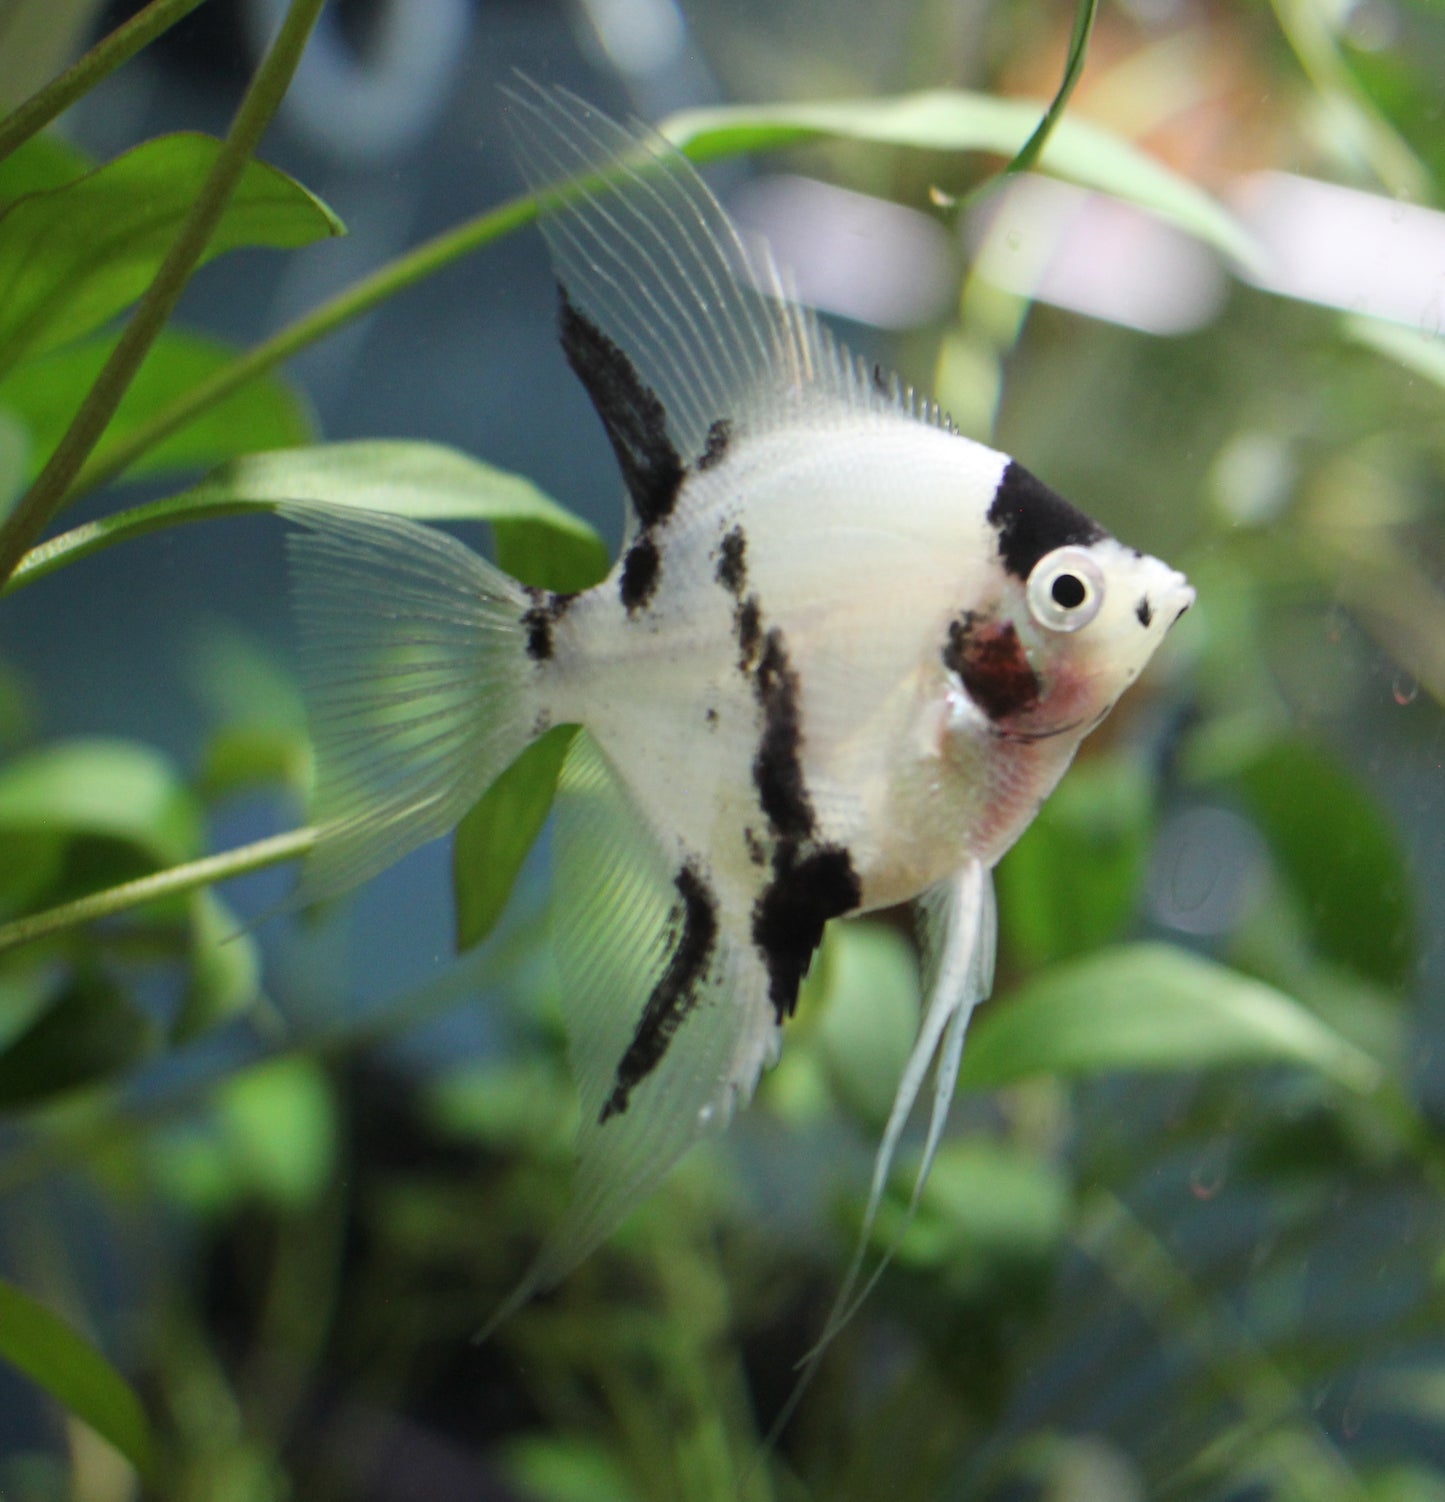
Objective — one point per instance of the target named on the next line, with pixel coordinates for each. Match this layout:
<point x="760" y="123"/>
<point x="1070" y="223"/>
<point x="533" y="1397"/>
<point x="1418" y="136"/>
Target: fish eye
<point x="1065" y="589"/>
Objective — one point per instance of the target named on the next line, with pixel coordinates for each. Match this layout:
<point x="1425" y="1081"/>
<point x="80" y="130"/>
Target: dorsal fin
<point x="672" y="323"/>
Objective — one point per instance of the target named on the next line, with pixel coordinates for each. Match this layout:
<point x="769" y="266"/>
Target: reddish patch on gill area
<point x="991" y="662"/>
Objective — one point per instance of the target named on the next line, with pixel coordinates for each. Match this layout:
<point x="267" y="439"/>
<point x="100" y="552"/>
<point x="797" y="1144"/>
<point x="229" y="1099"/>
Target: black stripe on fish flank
<point x="748" y="623"/>
<point x="1032" y="520"/>
<point x="640" y="571"/>
<point x="719" y="435"/>
<point x="631" y="411"/>
<point x="788" y="918"/>
<point x="1145" y="611"/>
<point x="991" y="662"/>
<point x="732" y="564"/>
<point x="546" y="610"/>
<point x="778" y="767"/>
<point x="675" y="994"/>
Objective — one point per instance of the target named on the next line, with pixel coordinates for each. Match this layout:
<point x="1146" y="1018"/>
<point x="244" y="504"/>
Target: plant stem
<point x="104" y="58"/>
<point x="352" y="302"/>
<point x="1033" y="148"/>
<point x="169" y="883"/>
<point x="46" y="496"/>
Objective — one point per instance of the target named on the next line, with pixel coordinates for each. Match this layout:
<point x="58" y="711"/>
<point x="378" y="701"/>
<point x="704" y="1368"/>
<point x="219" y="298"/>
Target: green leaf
<point x="17" y="459"/>
<point x="1152" y="1007"/>
<point x="1420" y="353"/>
<point x="44" y="161"/>
<point x="225" y="969"/>
<point x="984" y="1205"/>
<point x="265" y="413"/>
<point x="957" y="120"/>
<point x="1072" y="882"/>
<point x="278" y="1120"/>
<point x="493" y="840"/>
<point x="73" y="257"/>
<point x="119" y="789"/>
<point x="1338" y="851"/>
<point x="51" y="1354"/>
<point x="91" y="1033"/>
<point x="866" y="979"/>
<point x="425" y="481"/>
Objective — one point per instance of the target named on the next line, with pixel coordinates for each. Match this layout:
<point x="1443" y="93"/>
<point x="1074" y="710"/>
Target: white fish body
<point x="845" y="655"/>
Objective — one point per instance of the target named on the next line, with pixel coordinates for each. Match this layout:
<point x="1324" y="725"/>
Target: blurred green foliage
<point x="1186" y="1238"/>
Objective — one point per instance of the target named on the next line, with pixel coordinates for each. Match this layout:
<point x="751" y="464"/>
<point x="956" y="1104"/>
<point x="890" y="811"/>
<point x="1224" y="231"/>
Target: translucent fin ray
<point x="958" y="931"/>
<point x="414" y="668"/>
<point x="617" y="928"/>
<point x="645" y="249"/>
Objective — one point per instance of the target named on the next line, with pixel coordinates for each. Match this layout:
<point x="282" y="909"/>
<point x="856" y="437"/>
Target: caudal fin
<point x="417" y="683"/>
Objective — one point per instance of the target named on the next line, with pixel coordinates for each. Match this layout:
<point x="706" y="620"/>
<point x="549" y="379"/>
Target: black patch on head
<point x="719" y="435"/>
<point x="990" y="660"/>
<point x="778" y="766"/>
<point x="1032" y="520"/>
<point x="630" y="410"/>
<point x="732" y="565"/>
<point x="640" y="570"/>
<point x="805" y="892"/>
<point x="748" y="623"/>
<point x="675" y="994"/>
<point x="1145" y="611"/>
<point x="546" y="610"/>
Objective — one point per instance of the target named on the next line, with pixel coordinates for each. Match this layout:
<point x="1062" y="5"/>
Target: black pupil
<point x="1068" y="591"/>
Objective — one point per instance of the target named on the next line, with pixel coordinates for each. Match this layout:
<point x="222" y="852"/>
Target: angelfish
<point x="845" y="654"/>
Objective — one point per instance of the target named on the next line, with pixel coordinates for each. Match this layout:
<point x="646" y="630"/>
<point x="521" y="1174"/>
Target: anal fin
<point x="666" y="1003"/>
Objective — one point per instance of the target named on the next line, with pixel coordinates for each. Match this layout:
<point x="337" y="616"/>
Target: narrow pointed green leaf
<point x="494" y="839"/>
<point x="1152" y="1007"/>
<point x="957" y="120"/>
<point x="55" y="1357"/>
<point x="425" y="481"/>
<point x="74" y="256"/>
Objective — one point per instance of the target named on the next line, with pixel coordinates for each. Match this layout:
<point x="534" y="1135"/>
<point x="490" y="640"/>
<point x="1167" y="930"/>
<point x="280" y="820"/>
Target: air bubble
<point x="1405" y="689"/>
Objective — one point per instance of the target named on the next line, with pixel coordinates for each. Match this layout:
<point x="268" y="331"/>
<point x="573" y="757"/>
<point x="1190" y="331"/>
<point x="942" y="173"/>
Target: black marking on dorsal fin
<point x="675" y="994"/>
<point x="630" y="410"/>
<point x="1032" y="520"/>
<point x="788" y="918"/>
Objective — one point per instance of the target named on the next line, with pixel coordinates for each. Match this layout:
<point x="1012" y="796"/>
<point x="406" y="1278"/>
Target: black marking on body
<point x="732" y="564"/>
<point x="641" y="569"/>
<point x="1032" y="520"/>
<point x="676" y="992"/>
<point x="631" y="411"/>
<point x="807" y="890"/>
<point x="546" y="610"/>
<point x="748" y="623"/>
<point x="1145" y="611"/>
<point x="719" y="435"/>
<point x="710" y="715"/>
<point x="756" y="853"/>
<point x="778" y="766"/>
<point x="991" y="662"/>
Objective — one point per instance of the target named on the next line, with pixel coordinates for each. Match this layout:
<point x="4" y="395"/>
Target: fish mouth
<point x="1027" y="737"/>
